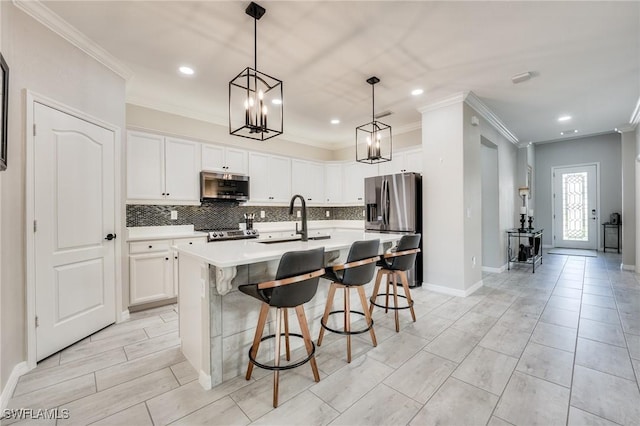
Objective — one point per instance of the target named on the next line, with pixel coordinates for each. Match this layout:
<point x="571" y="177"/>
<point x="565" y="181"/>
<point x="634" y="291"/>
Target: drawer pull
<point x="150" y="246"/>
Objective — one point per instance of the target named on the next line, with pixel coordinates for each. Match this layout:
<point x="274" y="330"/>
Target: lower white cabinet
<point x="152" y="269"/>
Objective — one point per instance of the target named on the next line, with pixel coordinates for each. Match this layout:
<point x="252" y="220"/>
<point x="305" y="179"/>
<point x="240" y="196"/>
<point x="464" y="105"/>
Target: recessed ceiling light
<point x="569" y="132"/>
<point x="564" y="118"/>
<point x="417" y="92"/>
<point x="335" y="121"/>
<point x="186" y="70"/>
<point x="276" y="101"/>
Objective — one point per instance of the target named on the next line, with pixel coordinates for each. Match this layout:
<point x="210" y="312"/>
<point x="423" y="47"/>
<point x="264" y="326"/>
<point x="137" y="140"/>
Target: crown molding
<point x="444" y="102"/>
<point x="570" y="138"/>
<point x="41" y="13"/>
<point x="635" y="116"/>
<point x="625" y="128"/>
<point x="481" y="108"/>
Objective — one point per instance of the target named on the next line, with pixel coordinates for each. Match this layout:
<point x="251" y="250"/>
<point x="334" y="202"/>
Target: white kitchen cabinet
<point x="333" y="183"/>
<point x="307" y="179"/>
<point x="402" y="161"/>
<point x="354" y="174"/>
<point x="224" y="159"/>
<point x="270" y="178"/>
<point x="162" y="170"/>
<point x="153" y="267"/>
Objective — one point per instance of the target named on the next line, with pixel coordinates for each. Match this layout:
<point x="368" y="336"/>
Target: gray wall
<point x="43" y="62"/>
<point x="603" y="149"/>
<point x="492" y="257"/>
<point x="628" y="159"/>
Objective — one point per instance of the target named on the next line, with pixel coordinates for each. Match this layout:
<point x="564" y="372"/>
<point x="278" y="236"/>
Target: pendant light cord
<point x="373" y="103"/>
<point x="255" y="43"/>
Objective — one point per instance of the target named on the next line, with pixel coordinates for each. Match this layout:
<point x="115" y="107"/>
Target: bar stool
<point x="295" y="284"/>
<point x="358" y="271"/>
<point x="395" y="266"/>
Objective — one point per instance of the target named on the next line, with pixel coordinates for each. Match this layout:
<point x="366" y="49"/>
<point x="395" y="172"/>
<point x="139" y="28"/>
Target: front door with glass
<point x="575" y="207"/>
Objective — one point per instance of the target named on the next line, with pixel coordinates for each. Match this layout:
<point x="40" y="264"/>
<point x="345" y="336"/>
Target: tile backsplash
<point x="227" y="215"/>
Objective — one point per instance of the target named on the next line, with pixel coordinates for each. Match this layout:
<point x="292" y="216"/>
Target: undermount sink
<point x="289" y="239"/>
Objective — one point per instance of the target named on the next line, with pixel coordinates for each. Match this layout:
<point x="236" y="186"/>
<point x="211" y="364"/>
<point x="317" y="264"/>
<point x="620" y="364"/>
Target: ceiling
<point x="584" y="56"/>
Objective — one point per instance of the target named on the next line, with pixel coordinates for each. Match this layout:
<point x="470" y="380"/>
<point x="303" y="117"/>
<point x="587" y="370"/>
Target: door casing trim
<point x="31" y="98"/>
<point x="553" y="200"/>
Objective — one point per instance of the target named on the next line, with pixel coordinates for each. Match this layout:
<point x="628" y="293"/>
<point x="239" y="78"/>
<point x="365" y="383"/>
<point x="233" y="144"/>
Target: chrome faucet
<point x="303" y="232"/>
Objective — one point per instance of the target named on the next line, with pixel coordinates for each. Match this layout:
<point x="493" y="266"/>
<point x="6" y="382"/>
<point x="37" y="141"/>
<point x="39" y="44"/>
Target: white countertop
<point x="242" y="252"/>
<point x="145" y="233"/>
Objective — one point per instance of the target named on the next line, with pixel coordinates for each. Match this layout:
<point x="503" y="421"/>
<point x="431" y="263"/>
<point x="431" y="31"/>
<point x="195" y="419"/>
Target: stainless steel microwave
<point x="223" y="186"/>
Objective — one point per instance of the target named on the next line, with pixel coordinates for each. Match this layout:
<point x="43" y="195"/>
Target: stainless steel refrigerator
<point x="393" y="203"/>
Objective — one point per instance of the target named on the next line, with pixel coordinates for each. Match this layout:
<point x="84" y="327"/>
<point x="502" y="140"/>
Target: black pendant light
<point x="373" y="140"/>
<point x="255" y="98"/>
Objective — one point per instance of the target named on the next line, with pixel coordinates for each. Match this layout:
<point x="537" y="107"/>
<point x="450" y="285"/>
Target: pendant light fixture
<point x="373" y="140"/>
<point x="255" y="98"/>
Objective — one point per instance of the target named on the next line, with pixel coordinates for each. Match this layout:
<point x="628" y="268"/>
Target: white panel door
<point x="182" y="170"/>
<point x="333" y="183"/>
<point x="575" y="208"/>
<point x="236" y="161"/>
<point x="212" y="158"/>
<point x="145" y="166"/>
<point x="74" y="199"/>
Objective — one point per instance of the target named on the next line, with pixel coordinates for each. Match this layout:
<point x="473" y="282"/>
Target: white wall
<point x="153" y="120"/>
<point x="605" y="149"/>
<point x="628" y="142"/>
<point x="42" y="62"/>
<point x="492" y="256"/>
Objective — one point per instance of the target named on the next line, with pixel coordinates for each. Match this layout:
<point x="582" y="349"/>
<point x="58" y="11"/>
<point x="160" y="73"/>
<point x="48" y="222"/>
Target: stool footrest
<point x="364" y="330"/>
<point x="372" y="300"/>
<point x="282" y="367"/>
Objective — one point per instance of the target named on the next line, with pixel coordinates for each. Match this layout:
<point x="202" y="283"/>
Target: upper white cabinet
<point x="333" y="183"/>
<point x="307" y="179"/>
<point x="354" y="174"/>
<point x="270" y="178"/>
<point x="224" y="159"/>
<point x="162" y="169"/>
<point x="403" y="161"/>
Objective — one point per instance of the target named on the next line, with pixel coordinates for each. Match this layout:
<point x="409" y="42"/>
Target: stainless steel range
<point x="231" y="234"/>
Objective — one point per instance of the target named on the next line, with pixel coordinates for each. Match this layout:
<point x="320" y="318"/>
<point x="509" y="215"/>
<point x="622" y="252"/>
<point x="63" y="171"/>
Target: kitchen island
<point x="217" y="322"/>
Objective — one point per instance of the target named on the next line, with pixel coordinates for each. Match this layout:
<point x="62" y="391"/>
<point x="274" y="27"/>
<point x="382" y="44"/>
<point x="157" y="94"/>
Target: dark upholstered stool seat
<point x="395" y="265"/>
<point x="295" y="284"/>
<point x="356" y="272"/>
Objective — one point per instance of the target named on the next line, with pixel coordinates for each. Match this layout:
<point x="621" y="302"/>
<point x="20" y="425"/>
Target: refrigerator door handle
<point x="387" y="206"/>
<point x="383" y="201"/>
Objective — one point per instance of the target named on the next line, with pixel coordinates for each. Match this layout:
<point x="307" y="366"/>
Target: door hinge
<point x="34" y="130"/>
<point x="37" y="321"/>
<point x="35" y="225"/>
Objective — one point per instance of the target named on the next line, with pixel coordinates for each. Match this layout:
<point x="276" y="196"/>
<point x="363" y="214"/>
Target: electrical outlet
<point x="327" y="213"/>
<point x="174" y="214"/>
<point x="262" y="215"/>
<point x="364" y="213"/>
<point x="298" y="214"/>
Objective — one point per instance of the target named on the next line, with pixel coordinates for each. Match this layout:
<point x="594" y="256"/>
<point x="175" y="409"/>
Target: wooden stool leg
<point x="304" y="327"/>
<point x="276" y="361"/>
<point x="407" y="293"/>
<point x="395" y="300"/>
<point x="376" y="288"/>
<point x="286" y="333"/>
<point x="327" y="309"/>
<point x="389" y="278"/>
<point x="367" y="315"/>
<point x="347" y="321"/>
<point x="262" y="320"/>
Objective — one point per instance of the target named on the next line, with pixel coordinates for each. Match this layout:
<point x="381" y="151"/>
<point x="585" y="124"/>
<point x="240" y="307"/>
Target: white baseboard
<point x="7" y="392"/>
<point x="124" y="315"/>
<point x="204" y="380"/>
<point x="547" y="246"/>
<point x="452" y="291"/>
<point x="494" y="270"/>
<point x="624" y="267"/>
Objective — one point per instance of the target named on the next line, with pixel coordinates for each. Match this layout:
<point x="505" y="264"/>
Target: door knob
<point x="110" y="237"/>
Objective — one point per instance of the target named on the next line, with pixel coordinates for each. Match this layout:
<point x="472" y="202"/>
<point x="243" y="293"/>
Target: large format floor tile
<point x="561" y="346"/>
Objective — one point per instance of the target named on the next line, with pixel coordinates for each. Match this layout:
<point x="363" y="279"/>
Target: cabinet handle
<point x="168" y="194"/>
<point x="190" y="242"/>
<point x="308" y="199"/>
<point x="166" y="258"/>
<point x="176" y="257"/>
<point x="163" y="194"/>
<point x="150" y="246"/>
<point x="359" y="198"/>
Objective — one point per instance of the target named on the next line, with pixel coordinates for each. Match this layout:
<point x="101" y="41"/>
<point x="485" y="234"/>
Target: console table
<point x="524" y="246"/>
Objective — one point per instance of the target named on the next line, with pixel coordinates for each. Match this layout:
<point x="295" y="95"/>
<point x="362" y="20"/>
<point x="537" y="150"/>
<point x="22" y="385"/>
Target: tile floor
<point x="561" y="346"/>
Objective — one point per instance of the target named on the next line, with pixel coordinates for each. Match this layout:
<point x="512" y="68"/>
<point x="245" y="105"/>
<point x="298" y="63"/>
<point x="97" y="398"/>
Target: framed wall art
<point x="4" y="112"/>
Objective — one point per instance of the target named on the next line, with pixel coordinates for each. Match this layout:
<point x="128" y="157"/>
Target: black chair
<point x="395" y="265"/>
<point x="359" y="270"/>
<point x="296" y="283"/>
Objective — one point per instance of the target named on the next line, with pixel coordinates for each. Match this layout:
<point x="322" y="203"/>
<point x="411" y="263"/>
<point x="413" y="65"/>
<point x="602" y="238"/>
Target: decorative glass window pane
<point x="574" y="207"/>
